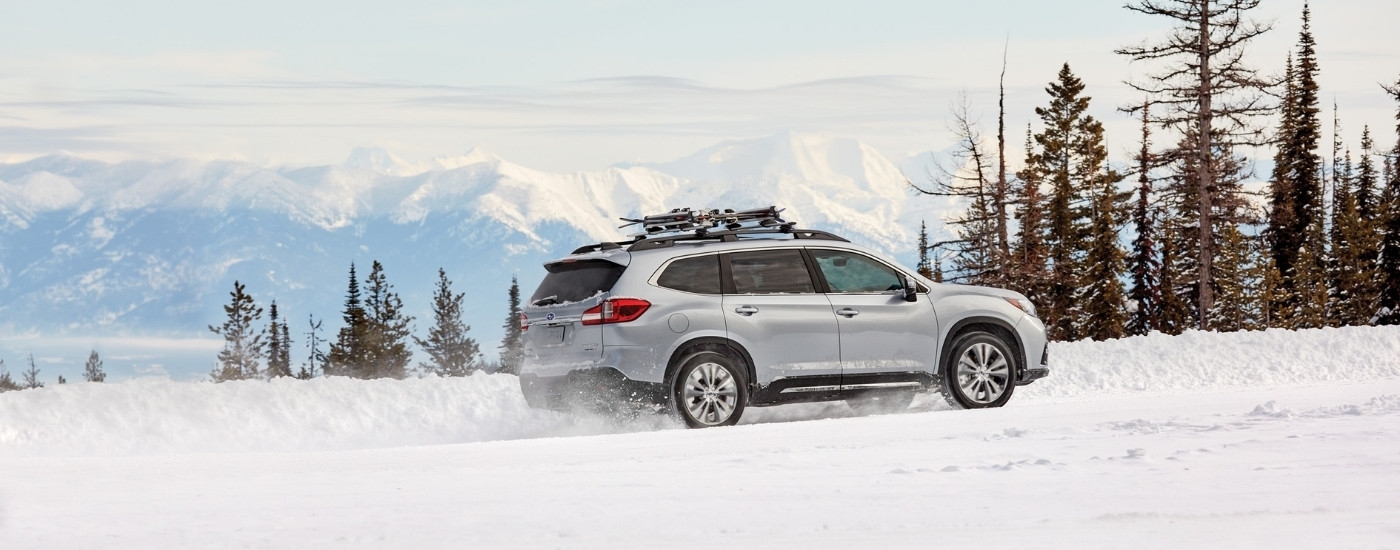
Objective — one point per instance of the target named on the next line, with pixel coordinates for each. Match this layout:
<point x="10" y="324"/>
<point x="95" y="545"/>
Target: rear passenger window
<point x="699" y="275"/>
<point x="770" y="272"/>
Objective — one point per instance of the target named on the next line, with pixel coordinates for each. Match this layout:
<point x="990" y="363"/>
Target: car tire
<point x="980" y="372"/>
<point x="881" y="403"/>
<point x="709" y="390"/>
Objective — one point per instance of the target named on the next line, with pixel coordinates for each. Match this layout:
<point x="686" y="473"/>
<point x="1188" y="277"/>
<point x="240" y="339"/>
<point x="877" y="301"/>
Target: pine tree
<point x="1349" y="276"/>
<point x="1072" y="160"/>
<point x="1210" y="95"/>
<point x="31" y="376"/>
<point x="1387" y="308"/>
<point x="243" y="345"/>
<point x="348" y="353"/>
<point x="279" y="358"/>
<point x="924" y="268"/>
<point x="1366" y="196"/>
<point x="1101" y="292"/>
<point x="92" y="370"/>
<point x="1265" y="285"/>
<point x="453" y="353"/>
<point x="315" y="358"/>
<point x="1234" y="298"/>
<point x="7" y="383"/>
<point x="387" y="329"/>
<point x="1311" y="282"/>
<point x="512" y="345"/>
<point x="1305" y="176"/>
<point x="1175" y="315"/>
<point x="1145" y="265"/>
<point x="1029" y="255"/>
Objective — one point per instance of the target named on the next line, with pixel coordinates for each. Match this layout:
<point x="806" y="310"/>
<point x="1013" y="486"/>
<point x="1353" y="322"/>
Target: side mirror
<point x="911" y="289"/>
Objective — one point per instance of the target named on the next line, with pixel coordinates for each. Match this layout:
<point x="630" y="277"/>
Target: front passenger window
<point x="848" y="272"/>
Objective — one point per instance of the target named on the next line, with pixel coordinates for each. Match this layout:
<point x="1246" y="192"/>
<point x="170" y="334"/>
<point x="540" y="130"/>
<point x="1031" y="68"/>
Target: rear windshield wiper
<point x="547" y="300"/>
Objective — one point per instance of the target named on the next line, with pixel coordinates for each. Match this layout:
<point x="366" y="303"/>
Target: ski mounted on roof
<point x="685" y="224"/>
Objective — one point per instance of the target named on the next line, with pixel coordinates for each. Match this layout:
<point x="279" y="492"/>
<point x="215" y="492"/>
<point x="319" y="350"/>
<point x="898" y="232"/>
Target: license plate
<point x="555" y="335"/>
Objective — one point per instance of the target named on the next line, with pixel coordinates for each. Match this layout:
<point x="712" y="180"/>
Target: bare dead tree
<point x="975" y="252"/>
<point x="1205" y="90"/>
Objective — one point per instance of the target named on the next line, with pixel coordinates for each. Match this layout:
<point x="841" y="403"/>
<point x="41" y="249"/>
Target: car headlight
<point x="1022" y="304"/>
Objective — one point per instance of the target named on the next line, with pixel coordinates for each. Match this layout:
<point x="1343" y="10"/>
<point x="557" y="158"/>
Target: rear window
<point x="699" y="275"/>
<point x="575" y="281"/>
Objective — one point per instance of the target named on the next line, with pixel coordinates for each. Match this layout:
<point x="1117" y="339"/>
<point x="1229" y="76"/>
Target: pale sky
<point x="579" y="85"/>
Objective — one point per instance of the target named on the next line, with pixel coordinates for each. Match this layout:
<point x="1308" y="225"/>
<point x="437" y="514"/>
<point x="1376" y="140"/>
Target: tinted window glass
<point x="851" y="272"/>
<point x="770" y="272"/>
<point x="699" y="275"/>
<point x="575" y="281"/>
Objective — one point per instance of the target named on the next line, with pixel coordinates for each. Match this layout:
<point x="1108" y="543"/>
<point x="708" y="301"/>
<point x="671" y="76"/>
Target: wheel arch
<point x="713" y="343"/>
<point x="992" y="325"/>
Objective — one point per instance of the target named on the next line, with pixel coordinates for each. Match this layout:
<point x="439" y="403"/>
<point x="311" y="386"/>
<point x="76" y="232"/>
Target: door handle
<point x="746" y="310"/>
<point x="847" y="312"/>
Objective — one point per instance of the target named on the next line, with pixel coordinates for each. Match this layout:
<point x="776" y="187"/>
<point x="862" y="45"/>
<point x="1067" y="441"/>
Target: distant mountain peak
<point x="376" y="159"/>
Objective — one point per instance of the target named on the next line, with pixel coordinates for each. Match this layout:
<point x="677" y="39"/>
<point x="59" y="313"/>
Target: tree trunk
<point x="1203" y="171"/>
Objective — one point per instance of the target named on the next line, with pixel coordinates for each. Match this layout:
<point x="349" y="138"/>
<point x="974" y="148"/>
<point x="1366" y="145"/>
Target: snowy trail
<point x="1308" y="459"/>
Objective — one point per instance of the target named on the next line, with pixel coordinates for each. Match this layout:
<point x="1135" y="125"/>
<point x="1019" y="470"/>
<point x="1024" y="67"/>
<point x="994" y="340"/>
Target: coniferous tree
<point x="1145" y="265"/>
<point x="1349" y="277"/>
<point x="279" y="358"/>
<point x="1311" y="282"/>
<point x="7" y="383"/>
<point x="1265" y="282"/>
<point x="1101" y="292"/>
<point x="92" y="369"/>
<point x="512" y="345"/>
<point x="1175" y="313"/>
<point x="1029" y="255"/>
<point x="453" y="353"/>
<point x="315" y="358"/>
<point x="243" y="344"/>
<point x="62" y="380"/>
<point x="1072" y="160"/>
<point x="1282" y="229"/>
<point x="1234" y="302"/>
<point x="1210" y="96"/>
<point x="31" y="376"/>
<point x="924" y="268"/>
<point x="387" y="329"/>
<point x="1304" y="180"/>
<point x="1365" y="182"/>
<point x="348" y="353"/>
<point x="1387" y="308"/>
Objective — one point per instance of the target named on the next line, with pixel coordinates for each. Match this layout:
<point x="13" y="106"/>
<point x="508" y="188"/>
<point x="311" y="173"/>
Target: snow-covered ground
<point x="1253" y="440"/>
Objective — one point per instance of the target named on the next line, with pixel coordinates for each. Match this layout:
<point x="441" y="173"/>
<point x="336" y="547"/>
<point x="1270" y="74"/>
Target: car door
<point x="773" y="309"/>
<point x="881" y="333"/>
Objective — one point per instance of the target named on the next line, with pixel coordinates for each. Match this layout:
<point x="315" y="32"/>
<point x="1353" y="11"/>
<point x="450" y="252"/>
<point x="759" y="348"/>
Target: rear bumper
<point x="600" y="388"/>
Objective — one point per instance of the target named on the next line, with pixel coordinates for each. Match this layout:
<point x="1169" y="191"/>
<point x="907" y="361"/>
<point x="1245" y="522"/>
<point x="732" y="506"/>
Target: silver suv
<point x="706" y="313"/>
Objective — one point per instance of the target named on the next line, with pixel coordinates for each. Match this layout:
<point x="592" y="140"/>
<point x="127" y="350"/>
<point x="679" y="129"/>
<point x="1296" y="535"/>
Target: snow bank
<point x="155" y="416"/>
<point x="1200" y="360"/>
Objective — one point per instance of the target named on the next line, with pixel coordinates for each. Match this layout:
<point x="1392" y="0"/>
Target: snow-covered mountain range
<point x="152" y="248"/>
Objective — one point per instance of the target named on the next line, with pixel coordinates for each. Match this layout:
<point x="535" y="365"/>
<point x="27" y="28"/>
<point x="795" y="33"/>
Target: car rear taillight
<point x="524" y="323"/>
<point x="615" y="310"/>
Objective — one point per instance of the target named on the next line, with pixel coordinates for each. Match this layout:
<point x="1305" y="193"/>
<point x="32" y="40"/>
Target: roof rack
<point x="684" y="224"/>
<point x="732" y="235"/>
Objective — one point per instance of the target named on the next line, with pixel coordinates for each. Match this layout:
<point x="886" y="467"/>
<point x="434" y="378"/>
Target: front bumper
<point x="600" y="388"/>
